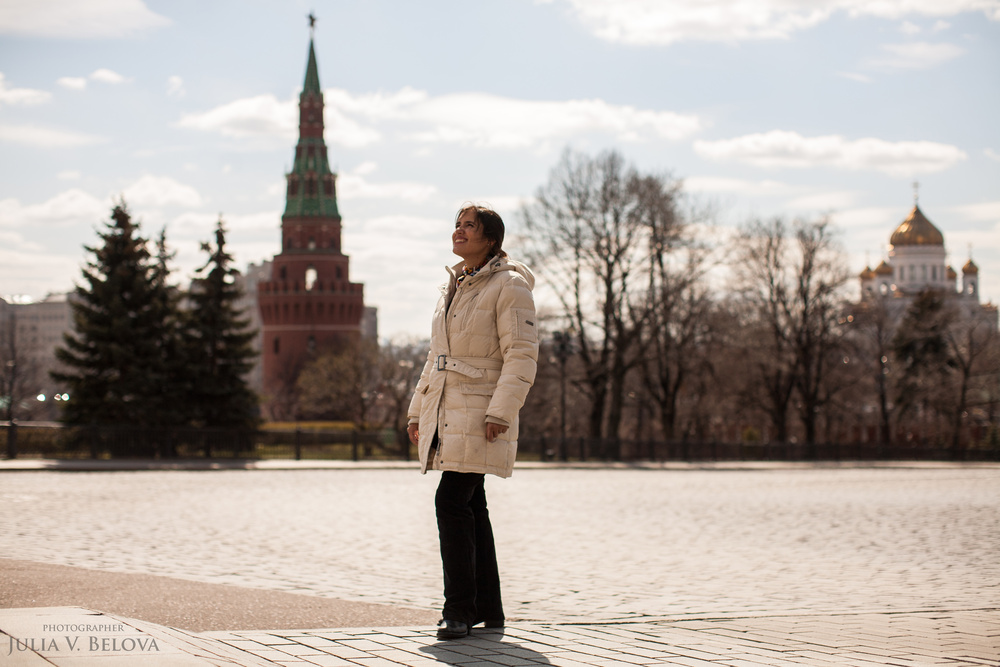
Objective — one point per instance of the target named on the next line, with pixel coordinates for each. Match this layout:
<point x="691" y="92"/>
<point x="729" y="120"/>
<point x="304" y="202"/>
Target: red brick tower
<point x="309" y="303"/>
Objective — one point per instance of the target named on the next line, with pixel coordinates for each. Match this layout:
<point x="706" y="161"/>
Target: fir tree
<point x="219" y="344"/>
<point x="115" y="359"/>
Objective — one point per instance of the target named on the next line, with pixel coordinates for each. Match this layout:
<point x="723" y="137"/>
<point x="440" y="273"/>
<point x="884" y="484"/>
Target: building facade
<point x="308" y="304"/>
<point x="917" y="261"/>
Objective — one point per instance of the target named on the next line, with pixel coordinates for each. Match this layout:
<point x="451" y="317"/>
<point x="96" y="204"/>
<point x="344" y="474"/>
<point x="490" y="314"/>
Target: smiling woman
<point x="464" y="412"/>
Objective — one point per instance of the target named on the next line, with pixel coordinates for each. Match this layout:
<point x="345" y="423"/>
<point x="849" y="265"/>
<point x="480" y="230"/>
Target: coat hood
<point x="495" y="265"/>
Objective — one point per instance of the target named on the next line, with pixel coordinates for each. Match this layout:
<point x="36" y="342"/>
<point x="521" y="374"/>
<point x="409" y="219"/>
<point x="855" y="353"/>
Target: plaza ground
<point x="737" y="564"/>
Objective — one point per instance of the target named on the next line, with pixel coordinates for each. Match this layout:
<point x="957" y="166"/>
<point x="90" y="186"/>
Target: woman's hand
<point x="493" y="430"/>
<point x="414" y="433"/>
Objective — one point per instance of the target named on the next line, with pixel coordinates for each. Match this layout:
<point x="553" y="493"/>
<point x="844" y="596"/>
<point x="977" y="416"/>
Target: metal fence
<point x="54" y="440"/>
<point x="104" y="442"/>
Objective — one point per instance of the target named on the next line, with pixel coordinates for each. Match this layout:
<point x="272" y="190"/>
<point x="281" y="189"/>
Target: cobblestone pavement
<point x="574" y="545"/>
<point x="38" y="638"/>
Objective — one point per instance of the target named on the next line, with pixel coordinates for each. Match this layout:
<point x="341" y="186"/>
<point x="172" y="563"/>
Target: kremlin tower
<point x="309" y="304"/>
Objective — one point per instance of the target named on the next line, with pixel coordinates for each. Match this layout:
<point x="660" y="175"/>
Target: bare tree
<point x="924" y="359"/>
<point x="19" y="368"/>
<point x="399" y="366"/>
<point x="972" y="342"/>
<point x="792" y="279"/>
<point x="342" y="384"/>
<point x="585" y="229"/>
<point x="870" y="332"/>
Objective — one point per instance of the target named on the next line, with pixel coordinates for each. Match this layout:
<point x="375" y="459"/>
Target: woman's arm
<point x="518" y="333"/>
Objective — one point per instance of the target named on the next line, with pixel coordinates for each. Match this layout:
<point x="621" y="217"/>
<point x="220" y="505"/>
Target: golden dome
<point x="970" y="267"/>
<point x="867" y="274"/>
<point x="883" y="269"/>
<point x="951" y="274"/>
<point x="916" y="230"/>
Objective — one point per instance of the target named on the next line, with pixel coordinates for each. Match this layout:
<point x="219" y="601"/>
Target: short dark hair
<point x="492" y="224"/>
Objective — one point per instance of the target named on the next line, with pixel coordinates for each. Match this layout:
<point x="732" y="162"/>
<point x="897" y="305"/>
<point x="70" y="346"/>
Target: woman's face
<point x="468" y="242"/>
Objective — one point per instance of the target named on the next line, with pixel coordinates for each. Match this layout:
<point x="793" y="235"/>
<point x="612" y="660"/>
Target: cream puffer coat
<point x="482" y="361"/>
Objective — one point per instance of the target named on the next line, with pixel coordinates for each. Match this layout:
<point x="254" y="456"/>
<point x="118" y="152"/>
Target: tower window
<point x="311" y="345"/>
<point x="277" y="345"/>
<point x="312" y="243"/>
<point x="310" y="278"/>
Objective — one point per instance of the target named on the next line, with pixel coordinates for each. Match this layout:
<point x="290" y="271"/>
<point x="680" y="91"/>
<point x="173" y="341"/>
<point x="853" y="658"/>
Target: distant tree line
<point x="657" y="327"/>
<point x="665" y="330"/>
<point x="145" y="354"/>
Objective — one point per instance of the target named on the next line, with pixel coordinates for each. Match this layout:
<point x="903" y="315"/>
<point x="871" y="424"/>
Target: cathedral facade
<point x="917" y="261"/>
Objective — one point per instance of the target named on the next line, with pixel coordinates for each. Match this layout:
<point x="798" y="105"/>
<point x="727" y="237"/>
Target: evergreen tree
<point x="219" y="344"/>
<point x="115" y="359"/>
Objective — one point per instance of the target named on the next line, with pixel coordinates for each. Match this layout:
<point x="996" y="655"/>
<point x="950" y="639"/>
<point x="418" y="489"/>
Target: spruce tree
<point x="115" y="358"/>
<point x="219" y="344"/>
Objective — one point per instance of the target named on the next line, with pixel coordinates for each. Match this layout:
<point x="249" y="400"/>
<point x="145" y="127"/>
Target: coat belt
<point x="470" y="366"/>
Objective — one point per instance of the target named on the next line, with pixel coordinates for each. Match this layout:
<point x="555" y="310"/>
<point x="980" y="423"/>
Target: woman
<point x="463" y="416"/>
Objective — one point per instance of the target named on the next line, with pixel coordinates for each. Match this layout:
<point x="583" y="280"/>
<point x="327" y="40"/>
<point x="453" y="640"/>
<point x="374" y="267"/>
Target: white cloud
<point x="72" y="207"/>
<point x="789" y="149"/>
<point x="72" y="82"/>
<point x="476" y="119"/>
<point x="719" y="184"/>
<point x="823" y="201"/>
<point x="991" y="154"/>
<point x="643" y="22"/>
<point x="175" y="86"/>
<point x="105" y="75"/>
<point x="909" y="28"/>
<point x="78" y="19"/>
<point x="262" y="115"/>
<point x="160" y="191"/>
<point x="914" y="55"/>
<point x="484" y="120"/>
<point x="854" y="76"/>
<point x="69" y="175"/>
<point x="979" y="212"/>
<point x="45" y="137"/>
<point x="21" y="95"/>
<point x="353" y="185"/>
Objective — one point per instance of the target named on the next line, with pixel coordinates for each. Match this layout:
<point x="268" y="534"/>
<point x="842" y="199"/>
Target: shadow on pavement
<point x="484" y="645"/>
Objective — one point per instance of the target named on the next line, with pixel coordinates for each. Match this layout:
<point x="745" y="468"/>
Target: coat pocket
<point x="479" y="388"/>
<point x="524" y="324"/>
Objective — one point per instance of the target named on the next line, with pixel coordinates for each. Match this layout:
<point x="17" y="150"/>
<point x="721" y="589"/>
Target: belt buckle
<point x="442" y="361"/>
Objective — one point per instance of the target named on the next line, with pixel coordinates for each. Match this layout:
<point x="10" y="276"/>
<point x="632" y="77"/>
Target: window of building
<point x="310" y="278"/>
<point x="277" y="344"/>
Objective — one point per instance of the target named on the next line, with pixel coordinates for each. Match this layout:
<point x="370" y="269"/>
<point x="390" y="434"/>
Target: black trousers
<point x="468" y="555"/>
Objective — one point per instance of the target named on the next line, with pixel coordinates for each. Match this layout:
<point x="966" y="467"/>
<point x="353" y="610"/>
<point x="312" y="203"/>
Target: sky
<point x="762" y="108"/>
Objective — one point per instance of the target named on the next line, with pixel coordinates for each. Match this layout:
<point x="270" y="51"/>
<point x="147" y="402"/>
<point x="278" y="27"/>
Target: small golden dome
<point x="970" y="268"/>
<point x="916" y="230"/>
<point x="883" y="269"/>
<point x="867" y="274"/>
<point x="951" y="274"/>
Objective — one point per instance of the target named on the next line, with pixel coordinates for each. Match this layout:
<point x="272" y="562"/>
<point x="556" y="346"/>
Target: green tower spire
<point x="312" y="186"/>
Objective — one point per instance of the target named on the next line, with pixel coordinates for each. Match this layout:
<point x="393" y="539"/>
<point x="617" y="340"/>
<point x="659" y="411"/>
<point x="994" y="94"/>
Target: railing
<point x="91" y="442"/>
<point x="103" y="442"/>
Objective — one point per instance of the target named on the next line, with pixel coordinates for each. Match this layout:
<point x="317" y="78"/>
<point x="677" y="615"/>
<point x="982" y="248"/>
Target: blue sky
<point x="762" y="107"/>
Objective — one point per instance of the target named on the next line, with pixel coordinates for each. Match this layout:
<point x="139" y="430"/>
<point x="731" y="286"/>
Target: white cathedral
<point x="917" y="262"/>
